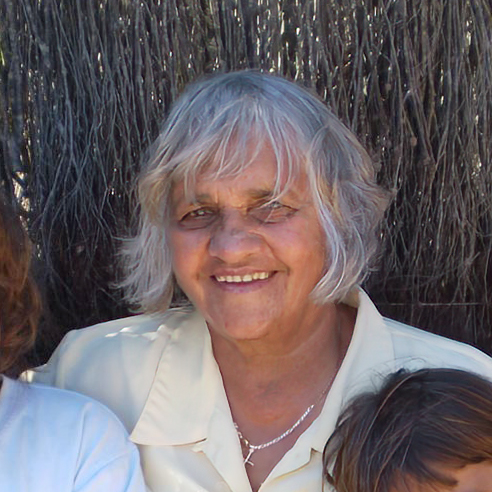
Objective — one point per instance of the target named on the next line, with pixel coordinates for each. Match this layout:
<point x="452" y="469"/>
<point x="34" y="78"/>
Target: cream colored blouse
<point x="158" y="374"/>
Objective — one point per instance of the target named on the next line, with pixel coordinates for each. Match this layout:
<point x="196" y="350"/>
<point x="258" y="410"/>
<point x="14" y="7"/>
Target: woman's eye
<point x="199" y="218"/>
<point x="272" y="212"/>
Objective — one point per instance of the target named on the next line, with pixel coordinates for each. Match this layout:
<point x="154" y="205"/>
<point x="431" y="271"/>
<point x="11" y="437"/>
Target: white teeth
<point x="260" y="276"/>
<point x="245" y="278"/>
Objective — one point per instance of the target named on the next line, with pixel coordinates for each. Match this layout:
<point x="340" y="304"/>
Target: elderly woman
<point x="262" y="207"/>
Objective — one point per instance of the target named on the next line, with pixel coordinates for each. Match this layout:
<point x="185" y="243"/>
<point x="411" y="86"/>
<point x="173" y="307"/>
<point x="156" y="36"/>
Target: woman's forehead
<point x="262" y="179"/>
<point x="233" y="155"/>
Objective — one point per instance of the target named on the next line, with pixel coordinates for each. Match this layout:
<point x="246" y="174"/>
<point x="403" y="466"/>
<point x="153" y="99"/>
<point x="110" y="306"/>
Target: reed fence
<point x="84" y="85"/>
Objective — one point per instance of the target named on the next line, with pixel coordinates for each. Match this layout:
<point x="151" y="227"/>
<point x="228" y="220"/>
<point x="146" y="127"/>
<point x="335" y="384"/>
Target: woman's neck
<point x="269" y="391"/>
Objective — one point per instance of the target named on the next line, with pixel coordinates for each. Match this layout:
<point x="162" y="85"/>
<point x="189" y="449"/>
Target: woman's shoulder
<point x="380" y="341"/>
<point x="411" y="342"/>
<point x="140" y="326"/>
<point x="113" y="341"/>
<point x="113" y="362"/>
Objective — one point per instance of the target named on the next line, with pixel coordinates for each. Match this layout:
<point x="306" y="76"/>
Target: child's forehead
<point x="473" y="477"/>
<point x="476" y="477"/>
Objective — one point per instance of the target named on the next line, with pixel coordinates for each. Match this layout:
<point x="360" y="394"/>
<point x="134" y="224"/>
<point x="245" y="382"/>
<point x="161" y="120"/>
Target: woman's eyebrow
<point x="255" y="194"/>
<point x="200" y="198"/>
<point x="271" y="194"/>
<point x="193" y="199"/>
<point x="261" y="194"/>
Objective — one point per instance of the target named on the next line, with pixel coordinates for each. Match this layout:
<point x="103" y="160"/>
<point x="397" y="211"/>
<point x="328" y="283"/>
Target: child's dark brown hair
<point x="404" y="431"/>
<point x="19" y="298"/>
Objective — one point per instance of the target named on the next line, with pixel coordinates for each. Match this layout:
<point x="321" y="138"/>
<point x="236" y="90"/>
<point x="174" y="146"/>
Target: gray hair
<point x="209" y="128"/>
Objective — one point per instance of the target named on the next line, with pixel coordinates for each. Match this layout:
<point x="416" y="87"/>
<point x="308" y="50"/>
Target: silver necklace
<point x="257" y="447"/>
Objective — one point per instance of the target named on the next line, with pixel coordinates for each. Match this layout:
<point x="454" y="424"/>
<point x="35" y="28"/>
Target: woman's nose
<point x="234" y="238"/>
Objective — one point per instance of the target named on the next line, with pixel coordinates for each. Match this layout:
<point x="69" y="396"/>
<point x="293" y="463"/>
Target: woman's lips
<point x="249" y="277"/>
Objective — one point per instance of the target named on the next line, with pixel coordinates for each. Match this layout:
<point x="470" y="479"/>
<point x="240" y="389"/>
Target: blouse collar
<point x="186" y="407"/>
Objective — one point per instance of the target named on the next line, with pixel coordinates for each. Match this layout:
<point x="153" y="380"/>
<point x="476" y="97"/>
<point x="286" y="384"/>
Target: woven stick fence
<point x="86" y="83"/>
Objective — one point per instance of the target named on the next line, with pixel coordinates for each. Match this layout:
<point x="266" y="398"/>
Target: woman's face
<point x="249" y="265"/>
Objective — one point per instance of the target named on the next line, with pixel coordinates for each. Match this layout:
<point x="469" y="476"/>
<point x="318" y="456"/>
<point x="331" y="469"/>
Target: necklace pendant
<point x="248" y="456"/>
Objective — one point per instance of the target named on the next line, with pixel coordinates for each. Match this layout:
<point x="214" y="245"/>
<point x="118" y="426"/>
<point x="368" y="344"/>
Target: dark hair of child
<point x="19" y="298"/>
<point x="408" y="430"/>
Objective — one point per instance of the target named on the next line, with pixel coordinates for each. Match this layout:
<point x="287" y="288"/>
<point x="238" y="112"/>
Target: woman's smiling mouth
<point x="243" y="278"/>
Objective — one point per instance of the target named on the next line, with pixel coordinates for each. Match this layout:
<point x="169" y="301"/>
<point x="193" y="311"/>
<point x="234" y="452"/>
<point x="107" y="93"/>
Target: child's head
<point x="19" y="299"/>
<point x="429" y="430"/>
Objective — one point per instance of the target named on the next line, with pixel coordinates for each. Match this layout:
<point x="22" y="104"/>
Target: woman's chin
<point x="239" y="325"/>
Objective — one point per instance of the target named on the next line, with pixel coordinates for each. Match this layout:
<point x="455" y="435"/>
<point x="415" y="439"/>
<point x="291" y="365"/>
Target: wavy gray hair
<point x="209" y="128"/>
